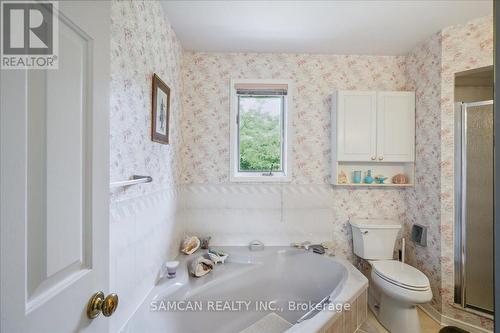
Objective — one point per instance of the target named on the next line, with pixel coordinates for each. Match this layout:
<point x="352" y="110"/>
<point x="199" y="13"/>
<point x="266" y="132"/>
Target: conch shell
<point x="190" y="245"/>
<point x="200" y="266"/>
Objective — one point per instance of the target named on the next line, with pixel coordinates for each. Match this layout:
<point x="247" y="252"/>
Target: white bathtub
<point x="235" y="295"/>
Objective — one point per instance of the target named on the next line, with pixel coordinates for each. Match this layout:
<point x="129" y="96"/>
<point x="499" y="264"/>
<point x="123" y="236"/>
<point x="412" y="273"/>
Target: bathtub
<point x="251" y="285"/>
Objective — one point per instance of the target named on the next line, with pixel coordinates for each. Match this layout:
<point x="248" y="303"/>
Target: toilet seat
<point x="401" y="275"/>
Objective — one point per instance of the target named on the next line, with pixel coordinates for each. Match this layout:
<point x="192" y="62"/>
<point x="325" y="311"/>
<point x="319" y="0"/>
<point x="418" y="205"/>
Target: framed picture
<point x="161" y="111"/>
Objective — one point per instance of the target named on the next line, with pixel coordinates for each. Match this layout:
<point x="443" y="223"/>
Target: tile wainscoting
<point x="143" y="234"/>
<point x="235" y="214"/>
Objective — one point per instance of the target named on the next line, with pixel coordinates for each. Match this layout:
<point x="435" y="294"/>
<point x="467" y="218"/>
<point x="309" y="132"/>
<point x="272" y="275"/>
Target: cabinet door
<point x="356" y="125"/>
<point x="396" y="126"/>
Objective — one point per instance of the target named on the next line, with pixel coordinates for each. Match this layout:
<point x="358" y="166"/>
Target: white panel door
<point x="356" y="125"/>
<point x="55" y="180"/>
<point x="396" y="126"/>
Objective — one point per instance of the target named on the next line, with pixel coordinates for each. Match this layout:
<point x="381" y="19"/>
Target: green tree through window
<point x="260" y="133"/>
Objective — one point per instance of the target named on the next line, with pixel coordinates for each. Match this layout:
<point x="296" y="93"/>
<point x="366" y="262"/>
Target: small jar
<point x="171" y="267"/>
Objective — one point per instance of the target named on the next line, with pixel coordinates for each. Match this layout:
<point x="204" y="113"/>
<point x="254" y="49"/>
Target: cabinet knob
<point x="381" y="158"/>
<point x="373" y="158"/>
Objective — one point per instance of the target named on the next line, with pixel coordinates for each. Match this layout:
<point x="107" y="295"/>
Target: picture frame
<point x="160" y="116"/>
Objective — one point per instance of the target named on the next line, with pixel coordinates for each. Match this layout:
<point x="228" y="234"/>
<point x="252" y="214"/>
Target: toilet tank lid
<point x="375" y="223"/>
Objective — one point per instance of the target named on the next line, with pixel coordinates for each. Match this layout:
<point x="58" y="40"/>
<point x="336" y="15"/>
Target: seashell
<point x="200" y="266"/>
<point x="190" y="244"/>
<point x="342" y="178"/>
<point x="400" y="179"/>
<point x="217" y="258"/>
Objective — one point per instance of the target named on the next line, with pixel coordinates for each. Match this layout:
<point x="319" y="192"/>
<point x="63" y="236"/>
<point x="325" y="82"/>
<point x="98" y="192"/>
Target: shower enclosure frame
<point x="460" y="289"/>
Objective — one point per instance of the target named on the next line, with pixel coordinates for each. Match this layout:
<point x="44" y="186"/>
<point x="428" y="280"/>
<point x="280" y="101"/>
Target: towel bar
<point x="136" y="179"/>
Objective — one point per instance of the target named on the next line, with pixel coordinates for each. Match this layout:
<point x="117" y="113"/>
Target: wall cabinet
<point x="374" y="128"/>
<point x="356" y="120"/>
<point x="396" y="126"/>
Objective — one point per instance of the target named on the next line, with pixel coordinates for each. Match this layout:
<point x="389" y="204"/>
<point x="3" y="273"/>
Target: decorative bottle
<point x="368" y="179"/>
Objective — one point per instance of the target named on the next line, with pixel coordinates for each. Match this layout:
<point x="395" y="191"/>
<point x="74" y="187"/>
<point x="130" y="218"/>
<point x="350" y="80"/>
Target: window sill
<point x="260" y="179"/>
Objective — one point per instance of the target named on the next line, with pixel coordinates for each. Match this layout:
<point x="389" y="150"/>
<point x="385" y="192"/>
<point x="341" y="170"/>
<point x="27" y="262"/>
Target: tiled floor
<point x="371" y="325"/>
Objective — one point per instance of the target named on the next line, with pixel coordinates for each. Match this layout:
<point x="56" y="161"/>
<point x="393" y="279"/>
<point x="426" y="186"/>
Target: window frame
<point x="286" y="158"/>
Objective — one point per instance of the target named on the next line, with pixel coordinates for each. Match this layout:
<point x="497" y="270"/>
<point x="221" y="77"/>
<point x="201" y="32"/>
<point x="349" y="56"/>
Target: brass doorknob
<point x="98" y="303"/>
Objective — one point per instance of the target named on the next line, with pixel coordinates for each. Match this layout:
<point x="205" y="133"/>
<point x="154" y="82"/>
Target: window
<point x="260" y="149"/>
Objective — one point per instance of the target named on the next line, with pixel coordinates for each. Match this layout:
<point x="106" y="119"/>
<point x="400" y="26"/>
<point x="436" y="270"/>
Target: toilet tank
<point x="374" y="239"/>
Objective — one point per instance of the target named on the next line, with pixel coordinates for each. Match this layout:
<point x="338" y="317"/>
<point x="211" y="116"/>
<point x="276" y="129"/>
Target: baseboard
<point x="432" y="312"/>
<point x="463" y="325"/>
<point x="447" y="321"/>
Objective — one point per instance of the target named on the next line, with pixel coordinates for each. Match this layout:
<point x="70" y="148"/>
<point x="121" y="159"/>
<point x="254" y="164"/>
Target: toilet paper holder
<point x="419" y="234"/>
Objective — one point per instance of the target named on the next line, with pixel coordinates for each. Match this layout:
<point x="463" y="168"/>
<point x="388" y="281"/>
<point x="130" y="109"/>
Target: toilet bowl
<point x="399" y="287"/>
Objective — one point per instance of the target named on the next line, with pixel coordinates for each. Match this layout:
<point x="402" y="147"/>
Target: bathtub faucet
<point x="316" y="248"/>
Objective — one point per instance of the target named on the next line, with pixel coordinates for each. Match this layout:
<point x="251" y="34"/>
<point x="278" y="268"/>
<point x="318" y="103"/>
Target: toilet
<point x="395" y="287"/>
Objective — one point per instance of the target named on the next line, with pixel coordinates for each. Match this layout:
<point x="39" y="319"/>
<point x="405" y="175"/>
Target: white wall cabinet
<point x="373" y="131"/>
<point x="357" y="125"/>
<point x="396" y="126"/>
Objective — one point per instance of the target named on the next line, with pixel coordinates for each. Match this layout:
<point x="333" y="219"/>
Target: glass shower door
<point x="475" y="206"/>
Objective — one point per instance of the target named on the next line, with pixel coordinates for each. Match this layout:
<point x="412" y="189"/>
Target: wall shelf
<point x="373" y="131"/>
<point x="387" y="169"/>
<point x="374" y="185"/>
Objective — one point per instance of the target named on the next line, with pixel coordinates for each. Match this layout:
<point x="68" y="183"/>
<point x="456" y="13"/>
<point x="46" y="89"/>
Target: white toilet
<point x="396" y="287"/>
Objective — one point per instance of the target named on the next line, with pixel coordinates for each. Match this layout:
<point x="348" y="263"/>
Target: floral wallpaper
<point x="464" y="47"/>
<point x="142" y="43"/>
<point x="423" y="67"/>
<point x="315" y="77"/>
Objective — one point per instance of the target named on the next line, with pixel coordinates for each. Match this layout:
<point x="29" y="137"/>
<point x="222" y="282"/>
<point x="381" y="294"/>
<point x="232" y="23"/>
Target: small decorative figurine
<point x="400" y="179"/>
<point x="190" y="244"/>
<point x="379" y="179"/>
<point x="342" y="178"/>
<point x="205" y="241"/>
<point x="217" y="256"/>
<point x="368" y="179"/>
